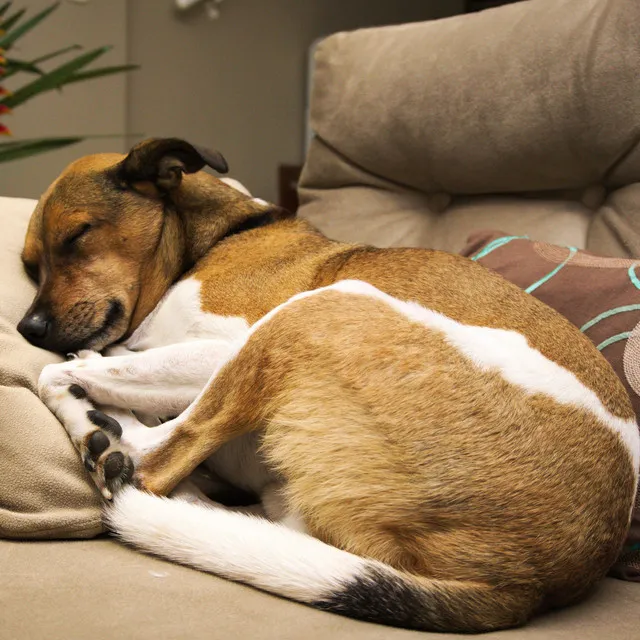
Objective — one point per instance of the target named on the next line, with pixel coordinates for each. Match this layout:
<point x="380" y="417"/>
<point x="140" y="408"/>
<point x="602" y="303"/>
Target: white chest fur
<point x="179" y="318"/>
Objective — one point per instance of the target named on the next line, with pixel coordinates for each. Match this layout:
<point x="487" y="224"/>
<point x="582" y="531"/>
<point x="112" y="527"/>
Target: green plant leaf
<point x="25" y="148"/>
<point x="17" y="149"/>
<point x="7" y="24"/>
<point x="51" y="80"/>
<point x="4" y="8"/>
<point x="14" y="66"/>
<point x="55" y="54"/>
<point x="97" y="73"/>
<point x="9" y="38"/>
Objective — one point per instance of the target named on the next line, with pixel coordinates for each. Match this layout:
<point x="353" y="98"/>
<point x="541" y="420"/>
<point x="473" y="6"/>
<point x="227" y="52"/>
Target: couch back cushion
<point x="521" y="118"/>
<point x="45" y="491"/>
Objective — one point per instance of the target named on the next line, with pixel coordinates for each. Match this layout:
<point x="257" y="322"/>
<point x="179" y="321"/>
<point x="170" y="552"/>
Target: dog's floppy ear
<point x="162" y="161"/>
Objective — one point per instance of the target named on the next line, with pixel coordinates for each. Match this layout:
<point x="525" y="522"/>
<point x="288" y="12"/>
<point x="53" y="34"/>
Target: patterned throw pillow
<point x="601" y="296"/>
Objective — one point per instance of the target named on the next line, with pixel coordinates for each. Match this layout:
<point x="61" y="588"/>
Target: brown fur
<point x="520" y="495"/>
<point x="497" y="488"/>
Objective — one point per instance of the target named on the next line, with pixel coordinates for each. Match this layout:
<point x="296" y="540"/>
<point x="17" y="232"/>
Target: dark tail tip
<point x="400" y="600"/>
<point x="383" y="598"/>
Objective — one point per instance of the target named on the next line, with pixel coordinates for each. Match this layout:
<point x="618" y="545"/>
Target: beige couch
<point x="522" y="119"/>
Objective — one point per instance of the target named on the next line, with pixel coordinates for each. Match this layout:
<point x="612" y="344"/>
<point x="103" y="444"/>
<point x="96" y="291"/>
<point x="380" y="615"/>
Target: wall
<point x="238" y="84"/>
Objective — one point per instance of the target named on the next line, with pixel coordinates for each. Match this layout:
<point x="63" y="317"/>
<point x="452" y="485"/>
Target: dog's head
<point x="110" y="236"/>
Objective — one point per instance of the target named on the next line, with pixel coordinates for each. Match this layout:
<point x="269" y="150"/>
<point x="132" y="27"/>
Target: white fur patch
<point x="233" y="545"/>
<point x="261" y="202"/>
<point x="237" y="185"/>
<point x="53" y="389"/>
<point x="162" y="381"/>
<point x="510" y="353"/>
<point x="178" y="317"/>
<point x="491" y="349"/>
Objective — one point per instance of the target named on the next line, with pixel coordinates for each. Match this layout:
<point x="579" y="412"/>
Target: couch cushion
<point x="100" y="589"/>
<point x="615" y="229"/>
<point x="599" y="295"/>
<point x="532" y="97"/>
<point x="353" y="206"/>
<point x="45" y="492"/>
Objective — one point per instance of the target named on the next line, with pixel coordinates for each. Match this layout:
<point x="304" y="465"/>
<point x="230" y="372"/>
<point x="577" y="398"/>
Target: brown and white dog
<point x="434" y="448"/>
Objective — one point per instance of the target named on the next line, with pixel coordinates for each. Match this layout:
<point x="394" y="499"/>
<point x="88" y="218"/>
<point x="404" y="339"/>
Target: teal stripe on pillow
<point x="496" y="244"/>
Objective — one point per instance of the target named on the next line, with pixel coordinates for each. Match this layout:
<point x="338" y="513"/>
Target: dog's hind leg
<point x="238" y="398"/>
<point x="232" y="403"/>
<point x="230" y="406"/>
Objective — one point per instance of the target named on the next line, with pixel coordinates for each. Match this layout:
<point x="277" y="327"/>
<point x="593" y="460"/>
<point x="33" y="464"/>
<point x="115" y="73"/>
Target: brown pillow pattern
<point x="600" y="295"/>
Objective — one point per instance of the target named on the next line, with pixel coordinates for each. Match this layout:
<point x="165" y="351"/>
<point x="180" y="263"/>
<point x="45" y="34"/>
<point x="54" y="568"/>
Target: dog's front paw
<point x="95" y="435"/>
<point x="104" y="455"/>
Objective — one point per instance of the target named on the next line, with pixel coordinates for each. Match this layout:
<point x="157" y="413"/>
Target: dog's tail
<point x="280" y="560"/>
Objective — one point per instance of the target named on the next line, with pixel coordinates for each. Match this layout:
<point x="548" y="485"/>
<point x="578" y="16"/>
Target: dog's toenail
<point x="77" y="392"/>
<point x="98" y="442"/>
<point x="89" y="464"/>
<point x="105" y="422"/>
<point x="113" y="465"/>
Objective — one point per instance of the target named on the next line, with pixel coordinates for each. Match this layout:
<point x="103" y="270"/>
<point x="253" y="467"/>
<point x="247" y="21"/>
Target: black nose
<point x="34" y="327"/>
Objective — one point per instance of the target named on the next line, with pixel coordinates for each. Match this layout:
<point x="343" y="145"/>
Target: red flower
<point x="4" y="131"/>
<point x="4" y="109"/>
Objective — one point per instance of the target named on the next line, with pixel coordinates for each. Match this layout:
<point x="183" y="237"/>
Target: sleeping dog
<point x="433" y="448"/>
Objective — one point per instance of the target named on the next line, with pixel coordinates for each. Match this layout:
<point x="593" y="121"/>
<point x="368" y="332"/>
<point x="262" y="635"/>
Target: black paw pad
<point x="77" y="392"/>
<point x="114" y="465"/>
<point x="105" y="422"/>
<point x="98" y="442"/>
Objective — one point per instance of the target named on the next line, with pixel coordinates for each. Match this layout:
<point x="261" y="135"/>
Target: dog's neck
<point x="211" y="210"/>
<point x="201" y="213"/>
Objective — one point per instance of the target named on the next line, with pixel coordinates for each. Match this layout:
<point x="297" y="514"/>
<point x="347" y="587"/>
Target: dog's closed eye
<point x="70" y="240"/>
